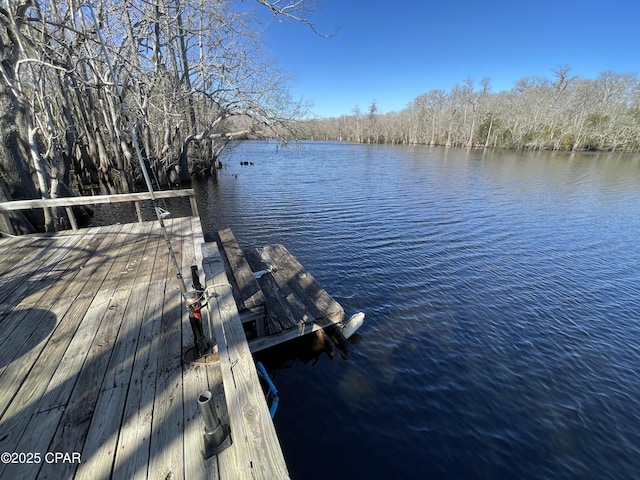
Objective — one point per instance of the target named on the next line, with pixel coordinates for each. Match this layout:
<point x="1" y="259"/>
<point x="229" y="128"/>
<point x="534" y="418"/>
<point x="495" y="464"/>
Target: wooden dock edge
<point x="247" y="293"/>
<point x="262" y="343"/>
<point x="255" y="451"/>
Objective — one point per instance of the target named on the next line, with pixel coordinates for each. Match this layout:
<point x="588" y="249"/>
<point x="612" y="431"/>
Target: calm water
<point x="502" y="299"/>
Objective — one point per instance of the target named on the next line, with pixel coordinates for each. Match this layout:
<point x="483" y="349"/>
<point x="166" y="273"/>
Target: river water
<point x="502" y="298"/>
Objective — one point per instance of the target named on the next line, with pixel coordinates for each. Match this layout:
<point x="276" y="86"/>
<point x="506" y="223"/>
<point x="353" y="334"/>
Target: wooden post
<point x="194" y="205"/>
<point x="138" y="211"/>
<point x="72" y="218"/>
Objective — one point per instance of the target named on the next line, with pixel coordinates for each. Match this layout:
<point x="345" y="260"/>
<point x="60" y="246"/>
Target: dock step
<point x="246" y="291"/>
<point x="293" y="302"/>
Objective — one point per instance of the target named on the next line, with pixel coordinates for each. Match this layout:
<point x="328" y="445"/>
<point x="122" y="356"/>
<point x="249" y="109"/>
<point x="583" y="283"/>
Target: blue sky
<point x="391" y="52"/>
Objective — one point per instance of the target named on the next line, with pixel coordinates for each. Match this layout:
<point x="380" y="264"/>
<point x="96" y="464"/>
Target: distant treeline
<point x="558" y="113"/>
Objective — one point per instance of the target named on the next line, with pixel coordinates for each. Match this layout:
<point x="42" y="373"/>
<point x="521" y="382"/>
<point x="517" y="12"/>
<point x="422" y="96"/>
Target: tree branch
<point x="290" y="9"/>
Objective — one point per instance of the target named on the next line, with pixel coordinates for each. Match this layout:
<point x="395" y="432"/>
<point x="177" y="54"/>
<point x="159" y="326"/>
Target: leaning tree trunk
<point x="13" y="164"/>
<point x="15" y="180"/>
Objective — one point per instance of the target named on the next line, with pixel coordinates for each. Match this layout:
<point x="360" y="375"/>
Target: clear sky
<point x="392" y="51"/>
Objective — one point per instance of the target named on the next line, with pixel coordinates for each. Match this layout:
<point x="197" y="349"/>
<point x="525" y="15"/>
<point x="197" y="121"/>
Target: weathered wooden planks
<point x="294" y="280"/>
<point x="255" y="452"/>
<point x="37" y="267"/>
<point x="99" y="448"/>
<point x="39" y="334"/>
<point x="197" y="377"/>
<point x="101" y="374"/>
<point x="86" y="360"/>
<point x="259" y="344"/>
<point x="41" y="390"/>
<point x="167" y="424"/>
<point x="294" y="303"/>
<point x="24" y="404"/>
<point x="246" y="291"/>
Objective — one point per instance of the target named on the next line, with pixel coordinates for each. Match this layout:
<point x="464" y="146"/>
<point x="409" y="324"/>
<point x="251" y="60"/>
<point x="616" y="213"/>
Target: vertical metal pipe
<point x="214" y="433"/>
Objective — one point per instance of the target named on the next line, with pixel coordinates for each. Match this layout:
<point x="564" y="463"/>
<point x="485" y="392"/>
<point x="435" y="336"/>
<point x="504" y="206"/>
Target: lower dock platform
<point x="278" y="300"/>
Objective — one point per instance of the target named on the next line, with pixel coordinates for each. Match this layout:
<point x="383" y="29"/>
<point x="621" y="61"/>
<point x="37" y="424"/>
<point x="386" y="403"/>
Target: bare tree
<point x="192" y="75"/>
<point x="562" y="113"/>
<point x="372" y="123"/>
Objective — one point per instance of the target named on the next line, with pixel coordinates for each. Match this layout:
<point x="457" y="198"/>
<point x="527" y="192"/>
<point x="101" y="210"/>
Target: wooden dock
<point x="284" y="303"/>
<point x="93" y="329"/>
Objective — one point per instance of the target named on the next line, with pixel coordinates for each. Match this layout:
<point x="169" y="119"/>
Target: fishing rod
<point x="134" y="138"/>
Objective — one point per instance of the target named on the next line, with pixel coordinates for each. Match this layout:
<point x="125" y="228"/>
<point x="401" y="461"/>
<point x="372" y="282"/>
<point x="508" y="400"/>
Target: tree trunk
<point x="15" y="222"/>
<point x="13" y="164"/>
<point x="486" y="143"/>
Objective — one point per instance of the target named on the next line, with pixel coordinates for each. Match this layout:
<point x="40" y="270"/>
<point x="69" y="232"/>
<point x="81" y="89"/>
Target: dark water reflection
<point x="502" y="300"/>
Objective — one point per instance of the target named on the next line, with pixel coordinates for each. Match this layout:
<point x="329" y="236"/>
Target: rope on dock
<point x="212" y="287"/>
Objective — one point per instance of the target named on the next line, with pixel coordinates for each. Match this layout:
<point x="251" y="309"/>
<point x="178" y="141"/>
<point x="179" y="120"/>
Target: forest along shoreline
<point x="562" y="112"/>
<point x="66" y="127"/>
